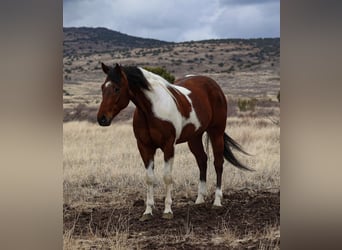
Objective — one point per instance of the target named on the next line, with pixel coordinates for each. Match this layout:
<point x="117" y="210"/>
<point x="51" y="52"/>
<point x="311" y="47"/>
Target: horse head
<point x="115" y="94"/>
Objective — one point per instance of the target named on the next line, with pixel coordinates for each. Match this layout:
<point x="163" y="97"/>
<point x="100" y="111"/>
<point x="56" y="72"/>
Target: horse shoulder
<point x="140" y="127"/>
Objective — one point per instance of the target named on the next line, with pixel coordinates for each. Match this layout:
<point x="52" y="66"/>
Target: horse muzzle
<point x="103" y="121"/>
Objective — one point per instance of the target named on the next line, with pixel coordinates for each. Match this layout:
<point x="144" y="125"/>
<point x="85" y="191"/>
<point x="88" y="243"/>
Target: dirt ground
<point x="241" y="223"/>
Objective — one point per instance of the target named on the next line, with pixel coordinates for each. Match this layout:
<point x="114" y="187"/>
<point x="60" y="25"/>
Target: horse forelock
<point x="113" y="76"/>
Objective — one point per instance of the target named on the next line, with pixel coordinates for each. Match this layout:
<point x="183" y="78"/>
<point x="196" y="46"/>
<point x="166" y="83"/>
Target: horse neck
<point x="140" y="101"/>
<point x="145" y="99"/>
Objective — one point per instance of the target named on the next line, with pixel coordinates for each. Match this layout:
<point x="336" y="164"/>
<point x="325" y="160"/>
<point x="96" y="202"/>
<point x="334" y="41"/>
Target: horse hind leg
<point x="196" y="147"/>
<point x="217" y="142"/>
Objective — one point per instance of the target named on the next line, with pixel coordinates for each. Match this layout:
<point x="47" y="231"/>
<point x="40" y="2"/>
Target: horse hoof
<point x="146" y="217"/>
<point x="168" y="216"/>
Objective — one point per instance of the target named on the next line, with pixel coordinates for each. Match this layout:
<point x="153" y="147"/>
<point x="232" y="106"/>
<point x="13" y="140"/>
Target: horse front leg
<point x="150" y="179"/>
<point x="147" y="155"/>
<point x="168" y="164"/>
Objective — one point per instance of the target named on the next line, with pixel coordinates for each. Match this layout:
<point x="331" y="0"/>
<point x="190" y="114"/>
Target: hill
<point x="244" y="68"/>
<point x="85" y="47"/>
<point x="85" y="40"/>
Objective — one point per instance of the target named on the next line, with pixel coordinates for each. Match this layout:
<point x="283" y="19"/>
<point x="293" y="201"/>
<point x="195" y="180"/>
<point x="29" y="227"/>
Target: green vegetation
<point x="246" y="104"/>
<point x="162" y="72"/>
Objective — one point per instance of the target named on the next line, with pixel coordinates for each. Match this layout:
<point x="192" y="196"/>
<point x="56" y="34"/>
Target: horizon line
<point x="208" y="39"/>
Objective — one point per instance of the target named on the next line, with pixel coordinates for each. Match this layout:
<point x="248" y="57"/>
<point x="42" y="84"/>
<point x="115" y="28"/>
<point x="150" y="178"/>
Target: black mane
<point x="135" y="77"/>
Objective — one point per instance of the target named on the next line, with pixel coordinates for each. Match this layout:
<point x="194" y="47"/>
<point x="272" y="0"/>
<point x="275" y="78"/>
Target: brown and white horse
<point x="167" y="114"/>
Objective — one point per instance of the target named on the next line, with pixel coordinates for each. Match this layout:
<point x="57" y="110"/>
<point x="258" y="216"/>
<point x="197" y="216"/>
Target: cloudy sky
<point x="178" y="20"/>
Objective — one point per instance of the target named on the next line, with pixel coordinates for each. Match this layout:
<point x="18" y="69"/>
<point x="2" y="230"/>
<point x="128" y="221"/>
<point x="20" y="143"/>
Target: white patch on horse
<point x="218" y="197"/>
<point x="164" y="102"/>
<point x="149" y="181"/>
<point x="189" y="75"/>
<point x="168" y="183"/>
<point x="202" y="192"/>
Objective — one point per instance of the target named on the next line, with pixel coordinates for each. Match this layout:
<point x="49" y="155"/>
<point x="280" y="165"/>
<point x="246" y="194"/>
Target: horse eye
<point x="116" y="89"/>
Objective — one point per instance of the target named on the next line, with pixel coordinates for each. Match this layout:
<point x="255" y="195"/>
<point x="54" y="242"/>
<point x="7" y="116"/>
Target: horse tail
<point x="228" y="154"/>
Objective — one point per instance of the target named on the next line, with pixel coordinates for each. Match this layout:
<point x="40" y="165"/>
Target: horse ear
<point x="118" y="69"/>
<point x="105" y="68"/>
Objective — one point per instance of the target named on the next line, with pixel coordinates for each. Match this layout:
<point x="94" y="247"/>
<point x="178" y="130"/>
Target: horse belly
<point x="188" y="131"/>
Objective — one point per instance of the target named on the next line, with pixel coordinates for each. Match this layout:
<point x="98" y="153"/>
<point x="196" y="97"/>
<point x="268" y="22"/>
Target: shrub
<point x="246" y="104"/>
<point x="231" y="69"/>
<point x="162" y="72"/>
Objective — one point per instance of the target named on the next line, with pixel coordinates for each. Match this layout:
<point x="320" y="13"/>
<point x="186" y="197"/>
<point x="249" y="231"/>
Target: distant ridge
<point x="88" y="41"/>
<point x="85" y="40"/>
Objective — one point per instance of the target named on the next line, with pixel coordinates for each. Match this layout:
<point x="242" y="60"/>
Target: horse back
<point x="207" y="97"/>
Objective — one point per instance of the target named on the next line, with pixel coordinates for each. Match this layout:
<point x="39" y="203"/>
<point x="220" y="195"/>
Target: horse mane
<point x="162" y="82"/>
<point x="136" y="78"/>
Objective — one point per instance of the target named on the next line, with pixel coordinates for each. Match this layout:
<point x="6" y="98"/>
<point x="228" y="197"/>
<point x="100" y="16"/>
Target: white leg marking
<point x="218" y="197"/>
<point x="168" y="184"/>
<point x="149" y="181"/>
<point x="202" y="192"/>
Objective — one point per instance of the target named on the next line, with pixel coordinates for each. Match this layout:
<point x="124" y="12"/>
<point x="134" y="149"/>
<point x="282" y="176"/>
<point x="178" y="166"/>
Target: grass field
<point x="104" y="192"/>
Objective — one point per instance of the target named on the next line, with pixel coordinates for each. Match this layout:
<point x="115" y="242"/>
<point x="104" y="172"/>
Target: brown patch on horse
<point x="147" y="129"/>
<point x="187" y="132"/>
<point x="200" y="88"/>
<point x="183" y="105"/>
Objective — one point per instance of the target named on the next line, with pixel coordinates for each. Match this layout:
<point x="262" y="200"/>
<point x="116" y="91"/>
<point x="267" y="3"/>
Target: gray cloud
<point x="178" y="20"/>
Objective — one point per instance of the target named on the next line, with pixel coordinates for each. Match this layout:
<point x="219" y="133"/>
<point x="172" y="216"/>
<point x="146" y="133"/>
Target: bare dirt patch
<point x="241" y="223"/>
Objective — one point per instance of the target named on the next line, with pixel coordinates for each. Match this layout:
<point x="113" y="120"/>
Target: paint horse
<point x="167" y="114"/>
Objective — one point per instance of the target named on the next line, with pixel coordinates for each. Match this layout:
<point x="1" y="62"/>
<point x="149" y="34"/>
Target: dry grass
<point x="98" y="159"/>
<point x="109" y="158"/>
<point x="269" y="239"/>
